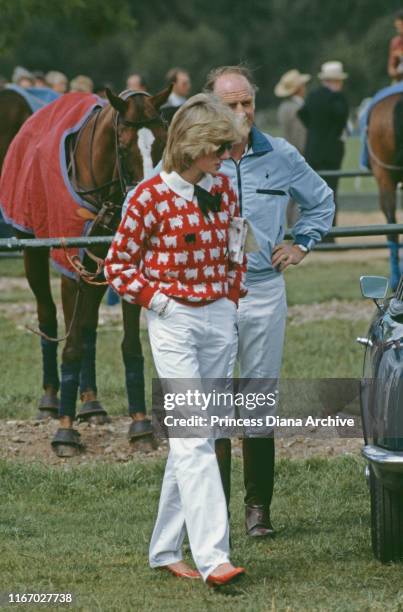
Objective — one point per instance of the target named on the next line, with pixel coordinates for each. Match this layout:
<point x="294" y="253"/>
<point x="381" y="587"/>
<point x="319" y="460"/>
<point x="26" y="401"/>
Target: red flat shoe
<point x="189" y="573"/>
<point x="225" y="578"/>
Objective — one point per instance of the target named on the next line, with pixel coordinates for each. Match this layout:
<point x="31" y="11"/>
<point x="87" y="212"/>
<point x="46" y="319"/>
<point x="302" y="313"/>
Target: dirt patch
<point x="24" y="313"/>
<point x="356" y="310"/>
<point x="29" y="441"/>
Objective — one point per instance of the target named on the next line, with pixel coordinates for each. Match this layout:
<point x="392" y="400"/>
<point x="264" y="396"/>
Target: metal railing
<point x="10" y="245"/>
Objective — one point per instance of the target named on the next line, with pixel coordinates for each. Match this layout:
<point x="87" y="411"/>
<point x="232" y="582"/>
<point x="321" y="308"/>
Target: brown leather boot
<point x="257" y="522"/>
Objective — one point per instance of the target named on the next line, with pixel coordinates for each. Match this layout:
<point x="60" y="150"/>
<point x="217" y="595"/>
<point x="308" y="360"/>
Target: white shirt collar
<point x="181" y="187"/>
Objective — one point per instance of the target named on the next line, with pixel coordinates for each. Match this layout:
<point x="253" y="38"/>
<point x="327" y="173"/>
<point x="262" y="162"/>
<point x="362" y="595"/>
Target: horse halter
<point x="97" y="195"/>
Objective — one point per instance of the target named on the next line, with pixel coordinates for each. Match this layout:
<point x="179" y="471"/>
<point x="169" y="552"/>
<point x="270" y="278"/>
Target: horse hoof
<point x="66" y="443"/>
<point x="48" y="407"/>
<point x="140" y="429"/>
<point x="141" y="436"/>
<point x="63" y="450"/>
<point x="144" y="445"/>
<point x="93" y="412"/>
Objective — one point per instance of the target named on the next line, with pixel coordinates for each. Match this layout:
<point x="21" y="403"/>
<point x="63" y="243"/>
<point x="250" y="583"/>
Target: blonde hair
<point x="199" y="127"/>
<point x="54" y="76"/>
<point x="82" y="83"/>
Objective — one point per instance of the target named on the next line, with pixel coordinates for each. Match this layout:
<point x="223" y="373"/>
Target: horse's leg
<point x="78" y="364"/>
<point x="80" y="304"/>
<point x="91" y="408"/>
<point x="387" y="194"/>
<point x="134" y="372"/>
<point x="72" y="300"/>
<point x="36" y="263"/>
<point x="66" y="441"/>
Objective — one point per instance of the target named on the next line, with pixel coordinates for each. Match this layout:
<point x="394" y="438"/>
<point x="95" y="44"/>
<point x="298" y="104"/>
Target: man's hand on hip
<point x="285" y="255"/>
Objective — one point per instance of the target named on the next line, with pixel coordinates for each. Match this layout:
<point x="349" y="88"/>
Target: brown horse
<point x="106" y="157"/>
<point x="14" y="111"/>
<point x="385" y="148"/>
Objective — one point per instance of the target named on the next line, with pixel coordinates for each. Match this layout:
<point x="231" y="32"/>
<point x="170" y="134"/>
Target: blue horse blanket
<point x="36" y="97"/>
<point x="391" y="90"/>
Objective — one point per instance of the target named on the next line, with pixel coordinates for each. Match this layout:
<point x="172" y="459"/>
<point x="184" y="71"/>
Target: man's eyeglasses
<point x="225" y="146"/>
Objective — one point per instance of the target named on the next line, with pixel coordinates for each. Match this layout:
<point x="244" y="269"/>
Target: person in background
<point x="170" y="255"/>
<point x="40" y="80"/>
<point x="181" y="85"/>
<point x="291" y="88"/>
<point x="23" y="77"/>
<point x="136" y="82"/>
<point x="57" y="81"/>
<point x="265" y="171"/>
<point x="82" y="83"/>
<point x="325" y="115"/>
<point x="395" y="57"/>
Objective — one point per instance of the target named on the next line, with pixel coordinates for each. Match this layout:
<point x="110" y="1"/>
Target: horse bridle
<point x="95" y="195"/>
<point x="123" y="177"/>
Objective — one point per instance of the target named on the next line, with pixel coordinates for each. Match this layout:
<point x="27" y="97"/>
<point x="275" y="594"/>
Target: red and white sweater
<point x="164" y="243"/>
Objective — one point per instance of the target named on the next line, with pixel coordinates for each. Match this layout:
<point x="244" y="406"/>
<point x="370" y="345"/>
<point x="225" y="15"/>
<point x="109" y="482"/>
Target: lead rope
<point x="40" y="333"/>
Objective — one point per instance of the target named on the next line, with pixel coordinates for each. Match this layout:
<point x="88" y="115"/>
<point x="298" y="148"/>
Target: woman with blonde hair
<point x="170" y="255"/>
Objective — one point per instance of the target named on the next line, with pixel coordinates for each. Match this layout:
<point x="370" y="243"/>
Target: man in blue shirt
<point x="265" y="172"/>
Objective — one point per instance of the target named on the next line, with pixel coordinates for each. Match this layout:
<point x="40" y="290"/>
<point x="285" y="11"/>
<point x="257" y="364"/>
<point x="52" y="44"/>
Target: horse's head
<point x="140" y="133"/>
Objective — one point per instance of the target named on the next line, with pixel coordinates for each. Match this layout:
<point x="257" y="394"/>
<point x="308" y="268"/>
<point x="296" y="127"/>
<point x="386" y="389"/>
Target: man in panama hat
<point x="291" y="87"/>
<point x="325" y="115"/>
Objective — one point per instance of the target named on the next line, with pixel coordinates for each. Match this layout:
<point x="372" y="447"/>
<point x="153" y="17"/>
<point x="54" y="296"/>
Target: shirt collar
<point x="183" y="188"/>
<point x="260" y="142"/>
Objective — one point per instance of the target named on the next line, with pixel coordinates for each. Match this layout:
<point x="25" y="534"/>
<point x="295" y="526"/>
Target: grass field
<point x="86" y="531"/>
<point x="322" y="348"/>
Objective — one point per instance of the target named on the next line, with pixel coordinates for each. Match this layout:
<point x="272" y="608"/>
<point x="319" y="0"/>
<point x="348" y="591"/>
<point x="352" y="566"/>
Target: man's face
<point x="334" y="84"/>
<point x="134" y="83"/>
<point x="60" y="87"/>
<point x="235" y="91"/>
<point x="399" y="26"/>
<point x="182" y="84"/>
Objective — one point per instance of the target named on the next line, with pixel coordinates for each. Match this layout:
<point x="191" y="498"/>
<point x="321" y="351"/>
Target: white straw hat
<point x="332" y="71"/>
<point x="290" y="82"/>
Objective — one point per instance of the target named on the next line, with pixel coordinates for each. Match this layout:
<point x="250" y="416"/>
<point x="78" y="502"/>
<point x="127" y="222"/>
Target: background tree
<point x="108" y="40"/>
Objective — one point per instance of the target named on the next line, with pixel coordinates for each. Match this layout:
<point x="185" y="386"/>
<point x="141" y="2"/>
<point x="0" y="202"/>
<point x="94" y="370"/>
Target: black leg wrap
<point x="134" y="370"/>
<point x="88" y="381"/>
<point x="69" y="388"/>
<point x="49" y="357"/>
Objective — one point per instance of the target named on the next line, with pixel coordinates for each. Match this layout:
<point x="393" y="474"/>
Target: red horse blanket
<point x="35" y="192"/>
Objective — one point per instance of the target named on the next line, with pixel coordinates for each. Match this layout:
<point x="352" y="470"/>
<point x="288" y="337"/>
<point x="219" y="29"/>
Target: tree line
<point x="109" y="40"/>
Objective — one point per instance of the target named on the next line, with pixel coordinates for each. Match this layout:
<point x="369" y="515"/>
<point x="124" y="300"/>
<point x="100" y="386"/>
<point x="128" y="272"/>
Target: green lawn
<point x="86" y="531"/>
<point x="312" y="350"/>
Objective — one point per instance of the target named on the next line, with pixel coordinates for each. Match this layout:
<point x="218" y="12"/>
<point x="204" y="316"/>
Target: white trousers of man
<point x="193" y="343"/>
<point x="261" y="329"/>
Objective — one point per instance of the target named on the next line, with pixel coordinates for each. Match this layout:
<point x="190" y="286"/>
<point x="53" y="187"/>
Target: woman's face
<point x="210" y="163"/>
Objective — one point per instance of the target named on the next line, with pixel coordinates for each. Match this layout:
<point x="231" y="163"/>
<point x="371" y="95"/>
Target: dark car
<point x="382" y="417"/>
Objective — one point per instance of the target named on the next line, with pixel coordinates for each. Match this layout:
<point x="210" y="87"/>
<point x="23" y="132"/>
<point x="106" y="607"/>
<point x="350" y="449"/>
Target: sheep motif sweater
<point x="164" y="243"/>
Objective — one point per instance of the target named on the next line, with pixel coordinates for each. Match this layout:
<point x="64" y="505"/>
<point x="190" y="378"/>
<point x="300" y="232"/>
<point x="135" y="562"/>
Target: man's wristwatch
<point x="303" y="248"/>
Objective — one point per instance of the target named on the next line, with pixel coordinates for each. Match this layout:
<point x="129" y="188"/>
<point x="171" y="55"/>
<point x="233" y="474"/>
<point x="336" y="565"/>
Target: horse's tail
<point x="398" y="129"/>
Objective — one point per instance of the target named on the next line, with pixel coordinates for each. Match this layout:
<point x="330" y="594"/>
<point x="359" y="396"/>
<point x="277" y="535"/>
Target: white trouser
<point x="192" y="343"/>
<point x="261" y="327"/>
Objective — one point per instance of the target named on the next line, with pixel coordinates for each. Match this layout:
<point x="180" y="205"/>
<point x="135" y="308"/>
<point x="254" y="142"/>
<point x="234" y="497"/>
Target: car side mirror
<point x="375" y="287"/>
